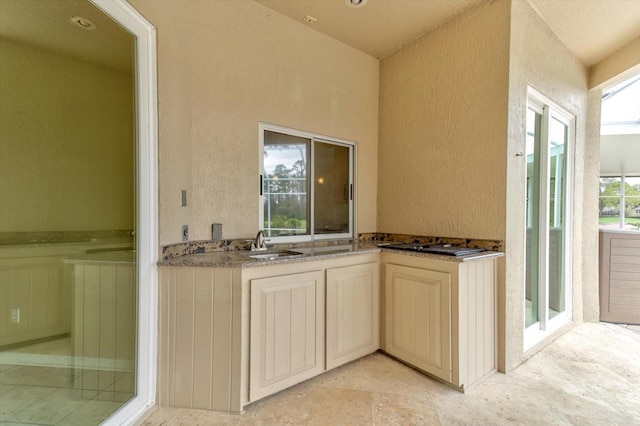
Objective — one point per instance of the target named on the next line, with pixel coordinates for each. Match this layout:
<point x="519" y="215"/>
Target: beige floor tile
<point x="396" y="409"/>
<point x="50" y="409"/>
<point x="355" y="375"/>
<point x="310" y="403"/>
<point x="6" y="367"/>
<point x="202" y="417"/>
<point x="341" y="406"/>
<point x="159" y="416"/>
<point x="6" y="388"/>
<point x="392" y="376"/>
<point x="112" y="395"/>
<point x="589" y="376"/>
<point x="37" y="376"/>
<point x="91" y="413"/>
<point x="292" y="405"/>
<point x="21" y="397"/>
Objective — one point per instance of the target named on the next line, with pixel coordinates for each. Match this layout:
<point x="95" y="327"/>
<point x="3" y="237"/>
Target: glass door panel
<point x="558" y="133"/>
<point x="548" y="133"/>
<point x="534" y="120"/>
<point x="68" y="272"/>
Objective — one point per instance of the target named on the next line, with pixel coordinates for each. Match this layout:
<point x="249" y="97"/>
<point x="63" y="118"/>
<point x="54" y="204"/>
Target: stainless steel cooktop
<point x="444" y="249"/>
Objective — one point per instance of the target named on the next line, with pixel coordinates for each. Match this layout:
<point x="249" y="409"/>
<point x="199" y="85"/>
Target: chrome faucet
<point x="260" y="243"/>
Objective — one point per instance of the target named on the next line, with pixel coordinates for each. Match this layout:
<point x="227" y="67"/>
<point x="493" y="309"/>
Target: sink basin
<point x="282" y="254"/>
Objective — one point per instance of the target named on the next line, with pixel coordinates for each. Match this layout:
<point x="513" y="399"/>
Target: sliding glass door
<point x="547" y="251"/>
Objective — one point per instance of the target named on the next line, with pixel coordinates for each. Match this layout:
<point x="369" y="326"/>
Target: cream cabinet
<point x="440" y="316"/>
<point x="230" y="336"/>
<point x="353" y="320"/>
<point x="419" y="318"/>
<point x="287" y="331"/>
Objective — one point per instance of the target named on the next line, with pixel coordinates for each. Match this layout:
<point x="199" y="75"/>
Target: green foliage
<point x="610" y="194"/>
<point x="280" y="221"/>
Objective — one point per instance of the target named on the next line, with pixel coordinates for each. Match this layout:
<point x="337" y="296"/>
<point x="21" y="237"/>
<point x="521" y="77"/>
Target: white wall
<point x="224" y="66"/>
<point x="66" y="143"/>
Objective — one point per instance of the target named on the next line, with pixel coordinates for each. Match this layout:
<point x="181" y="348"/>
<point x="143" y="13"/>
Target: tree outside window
<point x="619" y="205"/>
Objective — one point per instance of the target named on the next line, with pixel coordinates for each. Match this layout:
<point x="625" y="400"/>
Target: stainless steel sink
<point x="281" y="254"/>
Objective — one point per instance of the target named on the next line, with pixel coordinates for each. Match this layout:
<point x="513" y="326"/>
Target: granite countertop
<point x="105" y="257"/>
<point x="13" y="239"/>
<point x="241" y="259"/>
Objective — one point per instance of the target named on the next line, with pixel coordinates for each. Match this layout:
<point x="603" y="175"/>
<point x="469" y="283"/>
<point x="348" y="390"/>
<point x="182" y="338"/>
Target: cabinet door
<point x="418" y="318"/>
<point x="353" y="320"/>
<point x="287" y="331"/>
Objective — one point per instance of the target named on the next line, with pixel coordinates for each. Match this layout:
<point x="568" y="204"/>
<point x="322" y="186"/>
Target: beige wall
<point x="622" y="62"/>
<point x="66" y="143"/>
<point x="224" y="66"/>
<point x="443" y="118"/>
<point x="539" y="59"/>
<point x="452" y="118"/>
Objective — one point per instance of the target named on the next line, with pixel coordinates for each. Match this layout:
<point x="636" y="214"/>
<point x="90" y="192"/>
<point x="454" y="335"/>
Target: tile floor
<point x="589" y="376"/>
<point x="56" y="395"/>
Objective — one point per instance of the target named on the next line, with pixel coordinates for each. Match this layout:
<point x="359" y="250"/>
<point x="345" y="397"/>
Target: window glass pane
<point x="558" y="134"/>
<point x="620" y="113"/>
<point x="285" y="184"/>
<point x="609" y="202"/>
<point x="532" y="200"/>
<point x="331" y="188"/>
<point x="632" y="202"/>
<point x="621" y="104"/>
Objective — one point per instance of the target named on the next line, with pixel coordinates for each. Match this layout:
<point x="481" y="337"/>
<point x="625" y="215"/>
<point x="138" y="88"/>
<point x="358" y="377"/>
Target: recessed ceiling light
<point x="355" y="3"/>
<point x="310" y="19"/>
<point x="83" y="23"/>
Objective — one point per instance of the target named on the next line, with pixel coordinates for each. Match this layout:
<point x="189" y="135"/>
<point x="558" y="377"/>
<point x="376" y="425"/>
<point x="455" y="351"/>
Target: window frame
<point x="622" y="217"/>
<point x="313" y="137"/>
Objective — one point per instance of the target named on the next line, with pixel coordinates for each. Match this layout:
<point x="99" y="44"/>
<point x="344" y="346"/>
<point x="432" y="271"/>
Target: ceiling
<point x="591" y="29"/>
<point x="45" y="24"/>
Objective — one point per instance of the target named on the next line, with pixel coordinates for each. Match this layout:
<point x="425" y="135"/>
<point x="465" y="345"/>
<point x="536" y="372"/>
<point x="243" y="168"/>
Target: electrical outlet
<point x="185" y="232"/>
<point x="15" y="315"/>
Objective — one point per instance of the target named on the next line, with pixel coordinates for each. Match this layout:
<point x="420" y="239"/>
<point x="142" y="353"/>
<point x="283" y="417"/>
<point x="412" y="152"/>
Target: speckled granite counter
<point x="241" y="259"/>
<point x="108" y="257"/>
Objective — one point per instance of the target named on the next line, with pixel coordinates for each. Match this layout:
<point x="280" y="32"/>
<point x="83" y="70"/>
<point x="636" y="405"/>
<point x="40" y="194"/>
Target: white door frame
<point x="147" y="206"/>
<point x="542" y="329"/>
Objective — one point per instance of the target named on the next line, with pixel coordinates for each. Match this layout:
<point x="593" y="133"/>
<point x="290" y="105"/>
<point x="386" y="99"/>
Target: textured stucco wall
<point x="539" y="59"/>
<point x="66" y="143"/>
<point x="624" y="61"/>
<point x="590" y="210"/>
<point x="443" y="112"/>
<point x="224" y="66"/>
